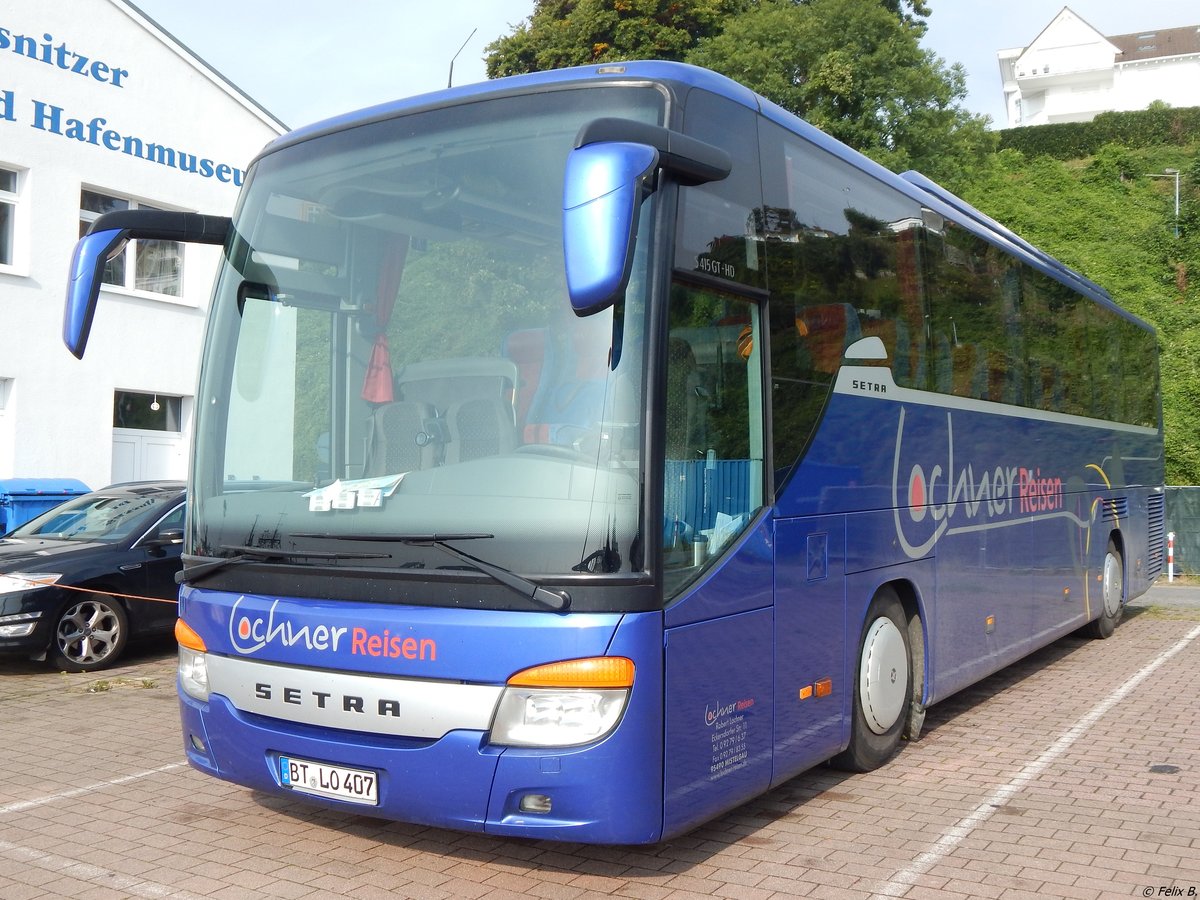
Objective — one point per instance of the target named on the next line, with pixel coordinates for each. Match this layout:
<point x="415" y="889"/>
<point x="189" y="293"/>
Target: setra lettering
<point x="384" y="706"/>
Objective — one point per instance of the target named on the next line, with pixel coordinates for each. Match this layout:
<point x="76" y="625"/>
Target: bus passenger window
<point x="713" y="422"/>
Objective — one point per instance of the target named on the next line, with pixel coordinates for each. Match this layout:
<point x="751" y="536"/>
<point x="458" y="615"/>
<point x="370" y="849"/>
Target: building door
<point x="148" y="440"/>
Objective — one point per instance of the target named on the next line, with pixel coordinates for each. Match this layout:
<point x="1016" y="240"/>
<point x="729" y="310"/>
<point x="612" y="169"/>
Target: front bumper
<point x="458" y="781"/>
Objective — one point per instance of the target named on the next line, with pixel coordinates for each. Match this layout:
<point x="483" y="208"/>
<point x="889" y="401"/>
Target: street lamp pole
<point x="450" y="80"/>
<point x="1170" y="173"/>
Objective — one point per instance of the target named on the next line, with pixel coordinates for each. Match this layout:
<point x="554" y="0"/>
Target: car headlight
<point x="563" y="704"/>
<point x="15" y="582"/>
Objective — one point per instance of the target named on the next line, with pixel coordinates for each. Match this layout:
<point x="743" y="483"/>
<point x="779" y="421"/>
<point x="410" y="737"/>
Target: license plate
<point x="324" y="780"/>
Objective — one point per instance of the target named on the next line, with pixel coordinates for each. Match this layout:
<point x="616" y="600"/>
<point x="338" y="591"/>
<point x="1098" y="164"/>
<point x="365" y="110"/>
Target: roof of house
<point x="1157" y="44"/>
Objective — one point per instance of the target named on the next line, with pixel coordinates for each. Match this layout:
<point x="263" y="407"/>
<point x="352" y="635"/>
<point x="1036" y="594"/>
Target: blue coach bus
<point x="579" y="455"/>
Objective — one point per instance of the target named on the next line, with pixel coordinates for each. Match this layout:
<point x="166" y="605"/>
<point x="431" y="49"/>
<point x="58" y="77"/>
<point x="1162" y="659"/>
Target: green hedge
<point x="1072" y="140"/>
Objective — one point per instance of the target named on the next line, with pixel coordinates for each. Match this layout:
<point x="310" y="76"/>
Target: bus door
<point x="716" y="563"/>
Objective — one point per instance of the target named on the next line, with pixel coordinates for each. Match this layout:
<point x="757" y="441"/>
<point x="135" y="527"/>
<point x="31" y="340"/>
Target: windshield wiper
<point x="262" y="554"/>
<point x="559" y="601"/>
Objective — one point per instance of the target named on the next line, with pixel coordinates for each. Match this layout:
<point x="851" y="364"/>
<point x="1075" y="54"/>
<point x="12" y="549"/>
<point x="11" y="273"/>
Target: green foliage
<point x="1156" y="126"/>
<point x="564" y="33"/>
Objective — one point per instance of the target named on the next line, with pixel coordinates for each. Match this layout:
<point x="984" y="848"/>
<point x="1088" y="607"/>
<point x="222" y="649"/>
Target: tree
<point x="856" y="70"/>
<point x="582" y="32"/>
<point x="919" y="11"/>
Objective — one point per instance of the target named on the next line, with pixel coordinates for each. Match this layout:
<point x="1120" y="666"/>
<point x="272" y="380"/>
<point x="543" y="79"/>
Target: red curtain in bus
<point x="377" y="385"/>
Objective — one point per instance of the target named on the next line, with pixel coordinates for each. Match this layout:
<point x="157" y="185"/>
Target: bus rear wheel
<point x="882" y="686"/>
<point x="1112" y="594"/>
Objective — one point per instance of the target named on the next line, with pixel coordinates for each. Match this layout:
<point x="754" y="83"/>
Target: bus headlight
<point x="563" y="704"/>
<point x="193" y="674"/>
<point x="193" y="664"/>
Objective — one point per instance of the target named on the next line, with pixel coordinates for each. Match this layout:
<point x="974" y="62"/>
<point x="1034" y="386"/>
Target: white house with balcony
<point x="1071" y="72"/>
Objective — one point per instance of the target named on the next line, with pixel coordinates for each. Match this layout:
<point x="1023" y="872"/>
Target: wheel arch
<point x="1117" y="538"/>
<point x="107" y="589"/>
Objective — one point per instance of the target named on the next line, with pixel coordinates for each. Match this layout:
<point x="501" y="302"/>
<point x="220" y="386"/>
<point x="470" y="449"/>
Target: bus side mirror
<point x="608" y="175"/>
<point x="105" y="239"/>
<point x="83" y="290"/>
<point x="602" y="194"/>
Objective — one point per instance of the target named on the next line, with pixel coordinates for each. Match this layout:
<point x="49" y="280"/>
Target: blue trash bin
<point x="22" y="499"/>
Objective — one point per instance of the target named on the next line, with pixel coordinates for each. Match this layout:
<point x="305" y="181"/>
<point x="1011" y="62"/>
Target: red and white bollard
<point x="1170" y="556"/>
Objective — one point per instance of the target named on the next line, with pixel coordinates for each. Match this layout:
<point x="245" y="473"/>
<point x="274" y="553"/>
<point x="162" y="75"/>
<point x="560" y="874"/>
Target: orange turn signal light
<point x="593" y="672"/>
<point x="186" y="637"/>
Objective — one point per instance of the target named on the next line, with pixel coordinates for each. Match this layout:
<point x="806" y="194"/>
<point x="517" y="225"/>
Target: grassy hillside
<point x="1103" y="217"/>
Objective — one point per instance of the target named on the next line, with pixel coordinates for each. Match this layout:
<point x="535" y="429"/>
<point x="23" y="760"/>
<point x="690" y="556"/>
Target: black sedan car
<point x="80" y="579"/>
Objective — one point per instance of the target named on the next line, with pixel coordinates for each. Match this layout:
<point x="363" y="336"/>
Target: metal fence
<point x="1183" y="518"/>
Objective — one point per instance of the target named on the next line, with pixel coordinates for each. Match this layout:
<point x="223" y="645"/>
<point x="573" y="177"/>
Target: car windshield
<point x="107" y="516"/>
<point x="393" y="353"/>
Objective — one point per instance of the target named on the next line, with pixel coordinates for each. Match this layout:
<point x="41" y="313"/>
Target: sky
<point x="307" y="60"/>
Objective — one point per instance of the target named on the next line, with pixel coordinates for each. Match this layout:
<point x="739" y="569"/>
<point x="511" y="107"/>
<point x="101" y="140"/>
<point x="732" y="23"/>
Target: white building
<point x="1071" y="72"/>
<point x="101" y="109"/>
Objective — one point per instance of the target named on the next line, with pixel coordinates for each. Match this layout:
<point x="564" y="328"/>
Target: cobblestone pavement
<point x="1075" y="773"/>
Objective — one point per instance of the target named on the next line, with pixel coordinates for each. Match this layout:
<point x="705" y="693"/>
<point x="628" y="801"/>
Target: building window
<point x="5" y="390"/>
<point x="9" y="197"/>
<point x="147" y="412"/>
<point x="152" y="266"/>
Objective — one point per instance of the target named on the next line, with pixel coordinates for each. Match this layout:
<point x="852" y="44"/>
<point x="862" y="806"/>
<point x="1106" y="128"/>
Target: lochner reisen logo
<point x="992" y="497"/>
<point x="249" y="632"/>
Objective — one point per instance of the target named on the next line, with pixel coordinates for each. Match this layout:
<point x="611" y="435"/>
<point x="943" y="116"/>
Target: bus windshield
<point x="393" y="370"/>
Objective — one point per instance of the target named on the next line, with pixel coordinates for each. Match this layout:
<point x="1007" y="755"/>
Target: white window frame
<point x="17" y="262"/>
<point x="131" y="251"/>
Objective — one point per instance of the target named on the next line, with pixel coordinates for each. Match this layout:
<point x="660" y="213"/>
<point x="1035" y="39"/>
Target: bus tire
<point x="882" y="686"/>
<point x="1112" y="595"/>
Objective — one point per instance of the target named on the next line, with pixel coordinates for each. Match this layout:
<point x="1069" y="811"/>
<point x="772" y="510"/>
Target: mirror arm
<point x="165" y="225"/>
<point x="692" y="161"/>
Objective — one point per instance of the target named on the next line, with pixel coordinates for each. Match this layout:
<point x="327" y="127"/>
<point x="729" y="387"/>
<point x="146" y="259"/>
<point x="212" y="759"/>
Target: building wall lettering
<point x="95" y="130"/>
<point x="44" y="50"/>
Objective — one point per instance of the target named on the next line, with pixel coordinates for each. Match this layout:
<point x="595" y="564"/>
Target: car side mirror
<point x="168" y="537"/>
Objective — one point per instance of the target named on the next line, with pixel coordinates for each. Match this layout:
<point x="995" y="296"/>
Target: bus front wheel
<point x="882" y="686"/>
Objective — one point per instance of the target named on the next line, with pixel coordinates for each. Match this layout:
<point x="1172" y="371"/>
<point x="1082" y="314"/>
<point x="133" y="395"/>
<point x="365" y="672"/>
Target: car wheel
<point x="89" y="634"/>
